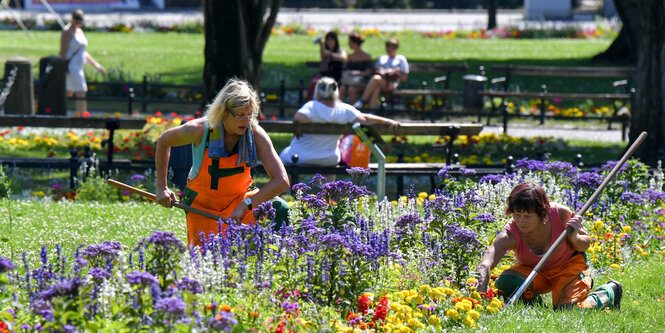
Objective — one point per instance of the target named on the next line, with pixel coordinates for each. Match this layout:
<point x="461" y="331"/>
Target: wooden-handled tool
<point x="152" y="197"/>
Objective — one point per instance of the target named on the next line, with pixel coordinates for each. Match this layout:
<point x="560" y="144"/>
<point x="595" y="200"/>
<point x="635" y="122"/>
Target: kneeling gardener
<point x="536" y="223"/>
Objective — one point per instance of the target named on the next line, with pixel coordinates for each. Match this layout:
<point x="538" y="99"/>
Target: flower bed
<point x="345" y="263"/>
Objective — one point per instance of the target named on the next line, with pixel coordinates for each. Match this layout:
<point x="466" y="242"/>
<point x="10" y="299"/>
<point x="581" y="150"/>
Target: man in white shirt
<point x="323" y="149"/>
<point x="390" y="69"/>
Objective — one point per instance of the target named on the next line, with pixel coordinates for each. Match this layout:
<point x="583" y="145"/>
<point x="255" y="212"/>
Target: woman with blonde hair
<point x="73" y="45"/>
<point x="226" y="143"/>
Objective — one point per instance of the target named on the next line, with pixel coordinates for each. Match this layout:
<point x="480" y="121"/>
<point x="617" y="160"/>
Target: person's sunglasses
<point x="240" y="116"/>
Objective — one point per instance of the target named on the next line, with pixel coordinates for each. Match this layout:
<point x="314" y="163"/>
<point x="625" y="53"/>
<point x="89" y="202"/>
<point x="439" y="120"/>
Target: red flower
<point x="363" y="304"/>
<point x="86" y="114"/>
<point x="20" y="128"/>
<point x="381" y="309"/>
<point x="274" y="118"/>
<point x="158" y="114"/>
<point x="280" y="328"/>
<point x="47" y="109"/>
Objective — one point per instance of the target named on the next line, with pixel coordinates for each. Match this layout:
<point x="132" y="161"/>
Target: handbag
<point x="353" y="151"/>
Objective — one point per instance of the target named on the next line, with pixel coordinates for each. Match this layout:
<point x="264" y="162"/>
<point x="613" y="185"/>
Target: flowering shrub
<point x="346" y="262"/>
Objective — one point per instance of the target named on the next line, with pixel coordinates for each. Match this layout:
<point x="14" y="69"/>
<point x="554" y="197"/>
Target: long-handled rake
<point x="569" y="229"/>
<point x="152" y="197"/>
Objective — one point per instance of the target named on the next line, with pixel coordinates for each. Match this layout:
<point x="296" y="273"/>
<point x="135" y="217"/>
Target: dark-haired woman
<point x="358" y="68"/>
<point x="332" y="61"/>
<point x="536" y="223"/>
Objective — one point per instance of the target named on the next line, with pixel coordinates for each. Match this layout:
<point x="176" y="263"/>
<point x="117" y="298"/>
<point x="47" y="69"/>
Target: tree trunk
<point x="491" y="13"/>
<point x="648" y="112"/>
<point x="624" y="48"/>
<point x="236" y="32"/>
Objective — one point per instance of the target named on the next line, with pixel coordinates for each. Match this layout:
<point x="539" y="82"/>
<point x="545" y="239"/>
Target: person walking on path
<point x="73" y="45"/>
<point x="226" y="142"/>
<point x="536" y="223"/>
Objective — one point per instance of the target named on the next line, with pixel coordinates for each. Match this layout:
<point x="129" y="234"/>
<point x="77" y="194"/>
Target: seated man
<point x="389" y="70"/>
<point x="323" y="149"/>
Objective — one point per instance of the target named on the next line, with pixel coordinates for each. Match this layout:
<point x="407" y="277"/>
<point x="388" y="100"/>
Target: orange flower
<point x="225" y="307"/>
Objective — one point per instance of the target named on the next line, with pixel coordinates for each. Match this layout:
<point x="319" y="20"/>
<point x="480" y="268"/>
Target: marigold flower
<point x="473" y="314"/>
<point x="468" y="321"/>
<point x="452" y="314"/>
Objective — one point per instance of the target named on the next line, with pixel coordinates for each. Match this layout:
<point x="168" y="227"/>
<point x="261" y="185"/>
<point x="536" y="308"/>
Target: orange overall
<point x="219" y="188"/>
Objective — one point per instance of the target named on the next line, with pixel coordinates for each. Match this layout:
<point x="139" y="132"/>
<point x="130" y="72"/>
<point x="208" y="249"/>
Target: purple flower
<point x="486" y="218"/>
<point x="358" y="171"/>
<point x="492" y="179"/>
<point x="171" y="305"/>
<point x="264" y="210"/>
<point x="444" y="173"/>
<point x="528" y="164"/>
<point x="102" y="250"/>
<point x="69" y="328"/>
<point x="143" y="278"/>
<point x="5" y="265"/>
<point x="164" y="240"/>
<point x="628" y="196"/>
<point x="137" y="177"/>
<point x="99" y="273"/>
<point x="467" y="172"/>
<point x="56" y="186"/>
<point x="654" y="195"/>
<point x="409" y="221"/>
<point x="560" y="167"/>
<point x="611" y="164"/>
<point x="65" y="288"/>
<point x="589" y="179"/>
<point x="190" y="285"/>
<point x="300" y="187"/>
<point x="462" y="235"/>
<point x="313" y="201"/>
<point x="317" y="178"/>
<point x="332" y="241"/>
<point x="342" y="190"/>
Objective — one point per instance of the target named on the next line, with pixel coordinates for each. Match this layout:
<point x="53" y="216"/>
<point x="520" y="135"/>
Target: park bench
<point x="452" y="130"/>
<point x="501" y="85"/>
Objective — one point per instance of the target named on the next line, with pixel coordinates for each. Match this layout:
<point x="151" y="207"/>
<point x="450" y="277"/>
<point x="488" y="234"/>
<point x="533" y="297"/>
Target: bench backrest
<point x="418" y="67"/>
<point x="441" y="129"/>
<point x="563" y="71"/>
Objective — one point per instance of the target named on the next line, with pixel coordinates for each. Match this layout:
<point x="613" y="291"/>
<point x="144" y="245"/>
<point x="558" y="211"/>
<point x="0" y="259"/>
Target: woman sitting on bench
<point x="323" y="149"/>
<point x="389" y="70"/>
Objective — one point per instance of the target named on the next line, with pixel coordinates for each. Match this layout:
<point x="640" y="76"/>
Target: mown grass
<point x="33" y="223"/>
<point x="178" y="57"/>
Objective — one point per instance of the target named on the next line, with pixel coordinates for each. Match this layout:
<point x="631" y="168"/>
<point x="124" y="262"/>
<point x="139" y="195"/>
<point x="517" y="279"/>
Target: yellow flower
<point x="38" y="193"/>
<point x="432" y="196"/>
<point x="422" y="195"/>
<point x="469" y="322"/>
<point x="497" y="302"/>
<point x="615" y="266"/>
<point x="476" y="295"/>
<point x="452" y="314"/>
<point x="589" y="250"/>
<point x="598" y="225"/>
<point x="425" y="288"/>
<point x="473" y="314"/>
<point x="626" y="228"/>
<point x="448" y="291"/>
<point x="434" y="320"/>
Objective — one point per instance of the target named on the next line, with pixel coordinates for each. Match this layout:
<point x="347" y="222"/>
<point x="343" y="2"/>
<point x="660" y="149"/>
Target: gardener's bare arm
<point x="578" y="239"/>
<point x="503" y="242"/>
<point x="279" y="180"/>
<point x="189" y="133"/>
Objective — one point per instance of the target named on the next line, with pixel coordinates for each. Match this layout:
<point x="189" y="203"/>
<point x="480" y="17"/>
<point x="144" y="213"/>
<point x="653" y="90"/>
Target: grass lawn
<point x="32" y="223"/>
<point x="178" y="57"/>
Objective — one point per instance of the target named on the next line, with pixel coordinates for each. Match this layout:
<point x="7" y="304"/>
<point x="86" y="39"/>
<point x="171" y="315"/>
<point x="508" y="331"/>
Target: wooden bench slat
<point x="419" y="92"/>
<point x="548" y="95"/>
<point x="442" y="129"/>
<point x="562" y="71"/>
<point x="68" y="122"/>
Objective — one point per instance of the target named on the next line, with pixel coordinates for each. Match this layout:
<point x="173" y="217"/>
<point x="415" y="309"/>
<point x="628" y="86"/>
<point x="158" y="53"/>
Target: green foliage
<point x="5" y="184"/>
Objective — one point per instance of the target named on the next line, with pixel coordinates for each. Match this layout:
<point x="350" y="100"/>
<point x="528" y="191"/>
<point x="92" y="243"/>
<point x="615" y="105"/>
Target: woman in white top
<point x="73" y="46"/>
<point x="389" y="70"/>
<point x="323" y="149"/>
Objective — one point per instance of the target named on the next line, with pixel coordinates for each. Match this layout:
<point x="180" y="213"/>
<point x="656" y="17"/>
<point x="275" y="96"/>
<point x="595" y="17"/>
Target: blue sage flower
<point x="6" y="265"/>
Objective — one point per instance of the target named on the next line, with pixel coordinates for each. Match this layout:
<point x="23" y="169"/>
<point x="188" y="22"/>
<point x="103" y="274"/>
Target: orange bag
<point x="355" y="153"/>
